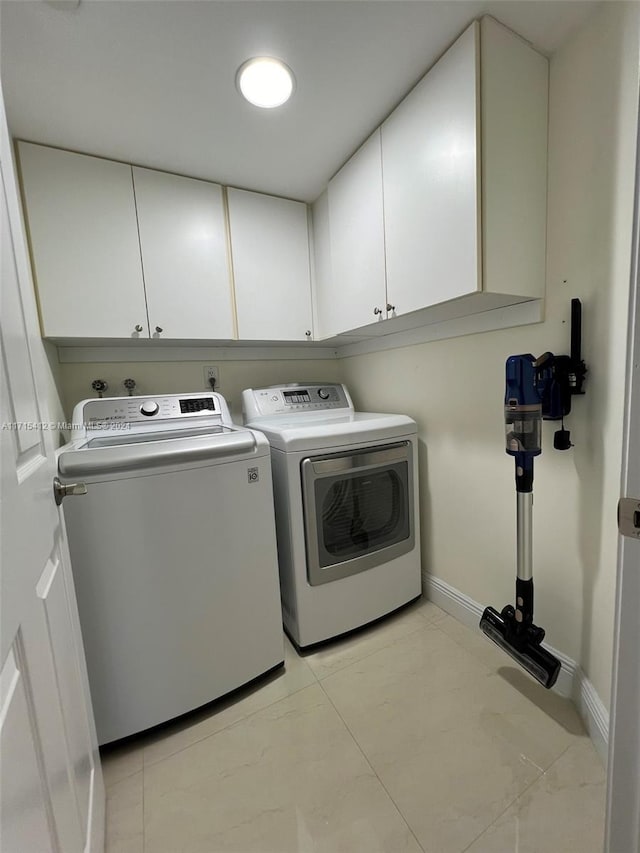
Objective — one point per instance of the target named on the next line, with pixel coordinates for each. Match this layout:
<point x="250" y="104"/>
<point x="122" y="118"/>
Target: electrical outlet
<point x="211" y="371"/>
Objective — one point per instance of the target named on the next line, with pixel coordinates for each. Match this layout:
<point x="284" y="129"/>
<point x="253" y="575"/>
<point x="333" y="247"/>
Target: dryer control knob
<point x="149" y="407"/>
<point x="323" y="394"/>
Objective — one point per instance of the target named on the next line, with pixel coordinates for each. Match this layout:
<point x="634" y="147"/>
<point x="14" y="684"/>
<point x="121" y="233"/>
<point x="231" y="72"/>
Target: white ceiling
<point x="152" y="81"/>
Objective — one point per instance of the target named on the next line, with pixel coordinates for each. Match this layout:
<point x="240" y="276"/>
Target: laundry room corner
<point x="454" y="388"/>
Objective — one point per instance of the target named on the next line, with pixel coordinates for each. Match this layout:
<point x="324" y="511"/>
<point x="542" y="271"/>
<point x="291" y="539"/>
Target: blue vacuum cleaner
<point x="536" y="389"/>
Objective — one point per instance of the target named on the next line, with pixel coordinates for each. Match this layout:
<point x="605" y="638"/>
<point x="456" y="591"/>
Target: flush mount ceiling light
<point x="265" y="82"/>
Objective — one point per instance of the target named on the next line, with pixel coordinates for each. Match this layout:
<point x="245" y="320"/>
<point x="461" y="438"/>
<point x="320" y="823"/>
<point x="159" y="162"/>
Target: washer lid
<point x="89" y="459"/>
<point x="321" y="431"/>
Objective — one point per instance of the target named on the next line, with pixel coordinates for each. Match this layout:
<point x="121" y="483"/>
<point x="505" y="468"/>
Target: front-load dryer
<point x="346" y="498"/>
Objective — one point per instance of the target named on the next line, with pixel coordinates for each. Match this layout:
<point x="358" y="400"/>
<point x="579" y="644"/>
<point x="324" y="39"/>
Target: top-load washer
<point x="178" y="605"/>
<point x="346" y="497"/>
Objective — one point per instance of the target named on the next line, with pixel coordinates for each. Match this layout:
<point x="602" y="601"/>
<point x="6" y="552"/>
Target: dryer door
<point x="358" y="510"/>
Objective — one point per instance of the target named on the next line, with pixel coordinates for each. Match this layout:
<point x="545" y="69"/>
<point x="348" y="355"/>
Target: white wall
<point x="454" y="388"/>
<point x="183" y="376"/>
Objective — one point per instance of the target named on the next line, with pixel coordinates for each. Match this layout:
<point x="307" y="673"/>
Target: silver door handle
<point x="64" y="490"/>
<point x="629" y="517"/>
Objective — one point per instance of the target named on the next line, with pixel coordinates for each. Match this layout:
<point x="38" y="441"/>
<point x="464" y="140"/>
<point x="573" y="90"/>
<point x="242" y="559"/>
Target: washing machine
<point x="178" y="605"/>
<point x="346" y="499"/>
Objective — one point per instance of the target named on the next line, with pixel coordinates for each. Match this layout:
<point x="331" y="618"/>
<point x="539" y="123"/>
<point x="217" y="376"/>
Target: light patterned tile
<point x="552" y="704"/>
<point x="166" y="741"/>
<point x="120" y="761"/>
<point x="124" y="819"/>
<point x="431" y="612"/>
<point x="288" y="779"/>
<point x="475" y="642"/>
<point x="453" y="743"/>
<point x="563" y="811"/>
<point x="337" y="654"/>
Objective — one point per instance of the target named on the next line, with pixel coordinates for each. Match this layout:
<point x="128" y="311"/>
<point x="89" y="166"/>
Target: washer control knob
<point x="323" y="394"/>
<point x="149" y="407"/>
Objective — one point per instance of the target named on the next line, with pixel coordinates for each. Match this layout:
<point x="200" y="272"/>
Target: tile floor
<point x="413" y="735"/>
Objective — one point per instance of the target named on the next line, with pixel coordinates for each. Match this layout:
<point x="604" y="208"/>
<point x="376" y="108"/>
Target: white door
<point x="623" y="793"/>
<point x="183" y="240"/>
<point x="50" y="777"/>
<point x="271" y="269"/>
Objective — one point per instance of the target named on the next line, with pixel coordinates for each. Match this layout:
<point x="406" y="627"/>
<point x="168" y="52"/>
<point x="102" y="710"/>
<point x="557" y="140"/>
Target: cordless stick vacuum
<point x="535" y="389"/>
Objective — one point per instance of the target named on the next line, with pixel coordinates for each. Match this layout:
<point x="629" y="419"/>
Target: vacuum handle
<point x="524" y="536"/>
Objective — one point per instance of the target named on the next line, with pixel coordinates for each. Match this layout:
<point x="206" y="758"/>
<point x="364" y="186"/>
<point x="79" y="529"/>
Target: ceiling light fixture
<point x="265" y="82"/>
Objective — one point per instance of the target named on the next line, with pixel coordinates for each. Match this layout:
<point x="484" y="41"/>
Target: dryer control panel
<point x="293" y="398"/>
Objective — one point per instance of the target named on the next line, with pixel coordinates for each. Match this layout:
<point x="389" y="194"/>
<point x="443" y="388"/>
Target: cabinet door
<point x="357" y="286"/>
<point x="84" y="241"/>
<point x="183" y="241"/>
<point x="430" y="164"/>
<point x="270" y="249"/>
<point x="322" y="290"/>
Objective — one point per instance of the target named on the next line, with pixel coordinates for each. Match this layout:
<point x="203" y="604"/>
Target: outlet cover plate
<point x="209" y="371"/>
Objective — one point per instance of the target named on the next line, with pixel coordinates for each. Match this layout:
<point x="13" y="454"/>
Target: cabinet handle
<point x="377" y="310"/>
<point x="138" y="328"/>
<point x="308" y="333"/>
<point x="158" y="329"/>
<point x="390" y="307"/>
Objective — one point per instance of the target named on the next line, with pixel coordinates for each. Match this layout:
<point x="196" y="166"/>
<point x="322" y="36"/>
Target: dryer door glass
<point x="358" y="510"/>
<point x="363" y="512"/>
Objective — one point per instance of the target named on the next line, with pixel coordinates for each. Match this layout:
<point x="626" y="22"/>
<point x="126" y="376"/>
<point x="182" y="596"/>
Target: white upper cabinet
<point x="324" y="308"/>
<point x="430" y="164"/>
<point x="183" y="241"/>
<point x="355" y="293"/>
<point x="464" y="175"/>
<point x="514" y="98"/>
<point x="270" y="252"/>
<point x="84" y="241"/>
<point x="452" y="215"/>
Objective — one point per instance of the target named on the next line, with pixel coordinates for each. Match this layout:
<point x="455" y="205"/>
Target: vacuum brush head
<point x="537" y="661"/>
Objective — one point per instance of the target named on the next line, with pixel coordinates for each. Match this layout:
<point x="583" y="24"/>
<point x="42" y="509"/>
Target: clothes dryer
<point x="346" y="500"/>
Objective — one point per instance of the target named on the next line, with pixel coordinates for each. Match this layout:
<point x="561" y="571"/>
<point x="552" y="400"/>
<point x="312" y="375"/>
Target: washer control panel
<point x="287" y="399"/>
<point x="107" y="412"/>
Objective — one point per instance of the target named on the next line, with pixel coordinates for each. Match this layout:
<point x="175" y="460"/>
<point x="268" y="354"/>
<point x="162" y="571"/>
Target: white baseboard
<point x="572" y="682"/>
<point x="593" y="712"/>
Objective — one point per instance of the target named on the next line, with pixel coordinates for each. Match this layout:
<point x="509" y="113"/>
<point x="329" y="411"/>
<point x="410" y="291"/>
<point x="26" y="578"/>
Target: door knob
<point x="64" y="490"/>
<point x="390" y="307"/>
<point x="377" y="310"/>
<point x="138" y="328"/>
<point x="308" y="333"/>
<point x="158" y="329"/>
